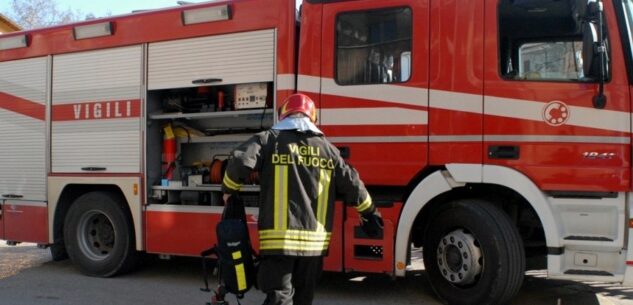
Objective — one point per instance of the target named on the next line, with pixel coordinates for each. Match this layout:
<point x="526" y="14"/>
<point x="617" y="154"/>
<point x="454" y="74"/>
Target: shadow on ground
<point x="37" y="280"/>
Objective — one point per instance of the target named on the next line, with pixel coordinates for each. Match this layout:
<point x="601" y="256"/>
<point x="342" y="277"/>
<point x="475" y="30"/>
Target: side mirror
<point x="590" y="55"/>
<point x="405" y="66"/>
<point x="594" y="50"/>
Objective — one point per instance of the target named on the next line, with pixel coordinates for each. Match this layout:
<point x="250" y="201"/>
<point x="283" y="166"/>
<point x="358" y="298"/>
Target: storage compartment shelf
<point x="210" y="115"/>
<point x="216" y="139"/>
<point x="222" y="121"/>
<point x="204" y="188"/>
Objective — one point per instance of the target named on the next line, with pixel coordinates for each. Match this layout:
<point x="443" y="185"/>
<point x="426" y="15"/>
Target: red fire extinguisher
<point x="169" y="152"/>
<point x="220" y="100"/>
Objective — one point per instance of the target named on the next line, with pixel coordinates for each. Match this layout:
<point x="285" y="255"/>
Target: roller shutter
<point x="22" y="128"/>
<point x="97" y="111"/>
<point x="232" y="58"/>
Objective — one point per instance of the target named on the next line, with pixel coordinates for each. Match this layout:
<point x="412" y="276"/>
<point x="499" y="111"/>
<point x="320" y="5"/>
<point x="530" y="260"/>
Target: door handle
<point x="206" y="81"/>
<point x="93" y="169"/>
<point x="504" y="152"/>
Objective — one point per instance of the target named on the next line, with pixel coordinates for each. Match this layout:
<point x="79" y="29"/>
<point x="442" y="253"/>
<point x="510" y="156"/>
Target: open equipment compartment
<point x="205" y="96"/>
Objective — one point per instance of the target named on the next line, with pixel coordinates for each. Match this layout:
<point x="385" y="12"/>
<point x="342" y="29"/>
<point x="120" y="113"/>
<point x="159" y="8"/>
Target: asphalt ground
<point x="28" y="276"/>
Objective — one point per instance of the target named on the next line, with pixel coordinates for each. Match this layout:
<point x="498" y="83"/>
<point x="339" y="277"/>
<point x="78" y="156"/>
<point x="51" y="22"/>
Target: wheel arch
<point x="451" y="183"/>
<point x="63" y="194"/>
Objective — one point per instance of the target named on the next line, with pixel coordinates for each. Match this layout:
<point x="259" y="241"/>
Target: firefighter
<point x="301" y="174"/>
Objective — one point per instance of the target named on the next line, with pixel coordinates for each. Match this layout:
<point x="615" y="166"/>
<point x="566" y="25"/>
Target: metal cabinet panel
<point x="22" y="128"/>
<point x="232" y="58"/>
<point x="96" y="111"/>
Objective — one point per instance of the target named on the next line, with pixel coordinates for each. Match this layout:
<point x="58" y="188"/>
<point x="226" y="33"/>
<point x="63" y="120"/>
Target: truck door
<point x="373" y="105"/>
<point x="23" y="171"/>
<point x="540" y="118"/>
<point x="374" y="86"/>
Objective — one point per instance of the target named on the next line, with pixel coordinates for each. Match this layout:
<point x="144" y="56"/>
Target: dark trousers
<point x="289" y="280"/>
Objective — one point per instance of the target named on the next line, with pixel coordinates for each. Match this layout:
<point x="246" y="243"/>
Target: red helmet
<point x="298" y="103"/>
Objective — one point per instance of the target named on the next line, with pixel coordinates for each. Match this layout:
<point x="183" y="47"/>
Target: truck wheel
<point x="99" y="235"/>
<point x="473" y="254"/>
<point x="58" y="252"/>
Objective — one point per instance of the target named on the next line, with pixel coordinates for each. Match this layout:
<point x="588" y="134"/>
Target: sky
<point x="101" y="8"/>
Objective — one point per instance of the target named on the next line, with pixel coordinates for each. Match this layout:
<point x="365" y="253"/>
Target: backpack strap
<point x="205" y="267"/>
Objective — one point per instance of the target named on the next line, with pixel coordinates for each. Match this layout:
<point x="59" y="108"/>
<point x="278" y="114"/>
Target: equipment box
<point x="367" y="254"/>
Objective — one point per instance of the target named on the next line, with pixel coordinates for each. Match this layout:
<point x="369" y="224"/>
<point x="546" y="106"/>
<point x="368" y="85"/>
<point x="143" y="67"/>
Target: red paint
<point x="165" y="232"/>
<point x="456" y="65"/>
<point x="559" y="166"/>
<point x="382" y="264"/>
<point x="97" y="110"/>
<point x="22" y="106"/>
<point x="166" y="24"/>
<point x="378" y="163"/>
<point x="334" y="260"/>
<point x="2" y="217"/>
<point x="24" y="223"/>
<point x="444" y="153"/>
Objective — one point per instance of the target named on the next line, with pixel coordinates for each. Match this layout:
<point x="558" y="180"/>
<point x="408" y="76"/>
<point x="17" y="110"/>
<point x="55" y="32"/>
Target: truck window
<point x="541" y="40"/>
<point x="559" y="60"/>
<point x="374" y="47"/>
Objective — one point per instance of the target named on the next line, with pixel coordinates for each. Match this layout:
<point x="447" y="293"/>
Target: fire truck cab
<point x="493" y="134"/>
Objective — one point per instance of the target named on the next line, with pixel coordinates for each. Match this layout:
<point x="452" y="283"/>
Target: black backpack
<point x="236" y="262"/>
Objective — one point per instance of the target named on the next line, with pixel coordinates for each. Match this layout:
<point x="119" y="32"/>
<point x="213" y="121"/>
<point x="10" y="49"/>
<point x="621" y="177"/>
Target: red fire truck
<point x="493" y="134"/>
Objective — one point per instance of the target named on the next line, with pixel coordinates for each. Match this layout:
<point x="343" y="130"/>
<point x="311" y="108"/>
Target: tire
<point x="58" y="252"/>
<point x="99" y="235"/>
<point x="473" y="254"/>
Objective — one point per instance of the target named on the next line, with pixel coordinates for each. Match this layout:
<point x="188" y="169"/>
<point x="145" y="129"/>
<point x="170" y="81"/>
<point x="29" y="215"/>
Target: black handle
<point x="504" y="152"/>
<point x="206" y="81"/>
<point x="93" y="169"/>
<point x="12" y="196"/>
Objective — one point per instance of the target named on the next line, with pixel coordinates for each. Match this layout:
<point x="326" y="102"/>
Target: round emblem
<point x="556" y="113"/>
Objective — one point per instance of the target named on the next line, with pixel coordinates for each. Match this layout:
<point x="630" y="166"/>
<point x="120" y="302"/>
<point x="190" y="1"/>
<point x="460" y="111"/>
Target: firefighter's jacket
<point x="301" y="174"/>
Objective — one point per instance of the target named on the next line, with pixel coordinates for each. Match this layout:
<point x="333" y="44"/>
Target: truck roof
<point x="151" y="26"/>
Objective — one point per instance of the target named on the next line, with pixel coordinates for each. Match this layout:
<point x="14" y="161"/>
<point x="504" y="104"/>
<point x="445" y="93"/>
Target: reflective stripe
<point x="455" y="138"/>
<point x="365" y="205"/>
<point x="230" y="183"/>
<point x="281" y="197"/>
<point x="239" y="271"/>
<point x="389" y="139"/>
<point x="373" y="116"/>
<point x="323" y="198"/>
<point x="293" y="245"/>
<point x="294" y="234"/>
<point x="286" y="81"/>
<point x="558" y="139"/>
<point x="241" y="277"/>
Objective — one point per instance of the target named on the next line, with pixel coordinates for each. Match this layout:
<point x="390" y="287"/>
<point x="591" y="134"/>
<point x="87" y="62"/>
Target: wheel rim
<point x="96" y="235"/>
<point x="460" y="260"/>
